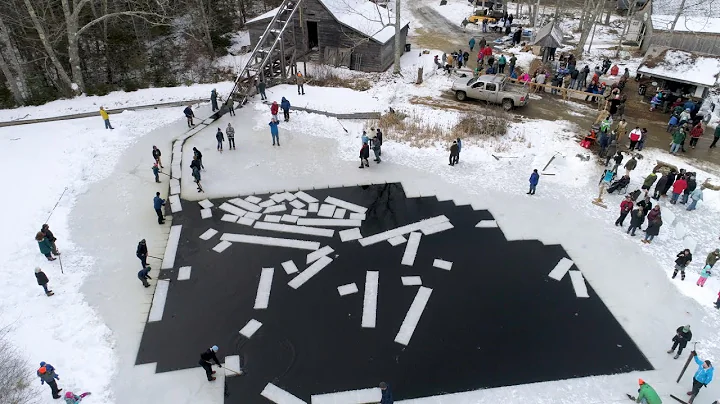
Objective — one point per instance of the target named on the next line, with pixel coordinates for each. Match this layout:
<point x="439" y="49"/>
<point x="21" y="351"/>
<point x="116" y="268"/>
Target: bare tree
<point x="398" y="29"/>
<point x="588" y="24"/>
<point x="10" y="66"/>
<point x="15" y="379"/>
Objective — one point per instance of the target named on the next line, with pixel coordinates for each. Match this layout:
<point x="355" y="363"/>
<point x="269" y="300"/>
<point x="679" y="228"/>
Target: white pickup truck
<point x="494" y="89"/>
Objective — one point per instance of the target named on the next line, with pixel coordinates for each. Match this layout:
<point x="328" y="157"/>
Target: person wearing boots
<point x="703" y="376"/>
<point x="364" y="155"/>
<point x="43" y="281"/>
<point x="51" y="238"/>
<point x="683" y="260"/>
<point x="206" y="359"/>
<point x="48" y="375"/>
<point x="143" y="275"/>
<point x="534" y="179"/>
<point x="683" y="335"/>
<point x="454" y="152"/>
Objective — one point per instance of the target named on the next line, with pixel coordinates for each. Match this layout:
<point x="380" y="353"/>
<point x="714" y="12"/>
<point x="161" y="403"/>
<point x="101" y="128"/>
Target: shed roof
<point x="681" y="66"/>
<point x="362" y="16"/>
<point x="549" y="36"/>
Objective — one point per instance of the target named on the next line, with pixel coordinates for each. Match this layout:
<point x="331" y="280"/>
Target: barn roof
<point x="362" y="16"/>
<point x="681" y="66"/>
<point x="549" y="36"/>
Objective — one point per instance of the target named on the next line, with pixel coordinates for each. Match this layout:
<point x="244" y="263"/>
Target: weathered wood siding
<point x="375" y="57"/>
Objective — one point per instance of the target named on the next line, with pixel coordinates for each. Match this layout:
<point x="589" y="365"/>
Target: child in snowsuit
<point x="71" y="398"/>
<point x="274" y="132"/>
<point x="684" y="258"/>
<point x="704" y="274"/>
<point x="43" y="280"/>
<point x="143" y="276"/>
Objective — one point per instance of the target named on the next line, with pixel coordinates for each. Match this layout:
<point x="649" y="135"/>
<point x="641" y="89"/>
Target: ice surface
<point x="297" y="204"/>
<point x="272" y="218"/>
<point x="206" y="204"/>
<point x="348" y="289"/>
<point x="253" y="199"/>
<point x="222" y="246"/>
<point x="344" y="204"/>
<point x="369" y="312"/>
<point x="362" y="396"/>
<point x="309" y="272"/>
<point x="329" y="222"/>
<point x="209" y="233"/>
<point x="271" y="241"/>
<point x="288" y="228"/>
<point x="168" y="260"/>
<point x="289" y="267"/>
<point x="229" y="218"/>
<point x="680" y="231"/>
<point x="253" y="215"/>
<point x="446" y="265"/>
<point x="289" y="218"/>
<point x="486" y="223"/>
<point x="350" y="234"/>
<point x="299" y="212"/>
<point x="279" y="396"/>
<point x="233" y="210"/>
<point x="262" y="298"/>
<point x="411" y="249"/>
<point x="184" y="273"/>
<point x="412" y="318"/>
<point x="313" y="207"/>
<point x="305" y="197"/>
<point x="206" y="213"/>
<point x="399" y="231"/>
<point x="339" y="213"/>
<point x="562" y="267"/>
<point x="246" y="221"/>
<point x="578" y="283"/>
<point x="158" y="302"/>
<point x="250" y="328"/>
<point x="395" y="241"/>
<point x="411" y="280"/>
<point x="316" y="255"/>
<point x="357" y="216"/>
<point x="326" y="210"/>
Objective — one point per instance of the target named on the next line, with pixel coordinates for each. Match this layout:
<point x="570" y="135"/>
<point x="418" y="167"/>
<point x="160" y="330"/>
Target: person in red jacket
<point x="678" y="188"/>
<point x="695" y="134"/>
<point x="274" y="108"/>
<point x="626" y="207"/>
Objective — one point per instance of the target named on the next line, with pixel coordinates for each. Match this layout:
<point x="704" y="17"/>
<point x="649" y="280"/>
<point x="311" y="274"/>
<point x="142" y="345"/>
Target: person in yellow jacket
<point x="106" y="118"/>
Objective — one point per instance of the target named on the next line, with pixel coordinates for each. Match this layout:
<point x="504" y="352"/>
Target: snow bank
<point x="62" y="330"/>
<point x="115" y="99"/>
<point x="336" y="100"/>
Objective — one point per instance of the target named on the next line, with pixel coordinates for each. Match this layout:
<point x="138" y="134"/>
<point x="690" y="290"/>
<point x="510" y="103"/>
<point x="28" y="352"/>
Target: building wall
<point x="693" y="42"/>
<point x="372" y="56"/>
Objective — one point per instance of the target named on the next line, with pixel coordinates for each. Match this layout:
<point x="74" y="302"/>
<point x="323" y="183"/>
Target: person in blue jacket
<point x="534" y="179"/>
<point x="274" y="131"/>
<point x="158" y="203"/>
<point x="703" y="376"/>
<point x="285" y="106"/>
<point x="143" y="275"/>
<point x="457" y="156"/>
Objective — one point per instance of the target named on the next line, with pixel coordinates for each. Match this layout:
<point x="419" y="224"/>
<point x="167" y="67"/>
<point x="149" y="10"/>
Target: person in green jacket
<point x="647" y="394"/>
<point x="45" y="246"/>
<point x="649" y="181"/>
<point x="678" y="139"/>
<point x="717" y="136"/>
<point x="713" y="257"/>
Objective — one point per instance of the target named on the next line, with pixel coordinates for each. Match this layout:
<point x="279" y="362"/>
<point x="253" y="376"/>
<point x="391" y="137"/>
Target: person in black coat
<point x="636" y="220"/>
<point x="684" y="258"/>
<point x="364" y="155"/>
<point x="691" y="185"/>
<point x="43" y="280"/>
<point x="454" y="153"/>
<point x="653" y="229"/>
<point x="670" y="181"/>
<point x="189" y="115"/>
<point x="206" y="359"/>
<point x="156" y="155"/>
<point x="660" y="186"/>
<point x="143" y="275"/>
<point x="51" y="238"/>
<point x="198" y="155"/>
<point x="386" y="394"/>
<point x="682" y="336"/>
<point x="142" y="253"/>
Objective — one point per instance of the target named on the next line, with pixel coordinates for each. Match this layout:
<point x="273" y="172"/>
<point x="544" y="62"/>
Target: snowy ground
<point x="90" y="330"/>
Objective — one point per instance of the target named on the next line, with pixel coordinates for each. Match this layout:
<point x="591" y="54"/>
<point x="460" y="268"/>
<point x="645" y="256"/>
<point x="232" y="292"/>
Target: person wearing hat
<point x="158" y="203"/>
<point x="647" y="394"/>
<point x="626" y="207"/>
<point x="213" y="100"/>
<point x="51" y="238"/>
<point x="684" y="258"/>
<point x="713" y="257"/>
<point x="206" y="359"/>
<point x="376" y="144"/>
<point x="703" y="376"/>
<point x="43" y="280"/>
<point x="142" y="253"/>
<point x="143" y="275"/>
<point x="682" y="336"/>
<point x="386" y="394"/>
<point x="47" y="375"/>
<point x="71" y="398"/>
<point x="300" y="80"/>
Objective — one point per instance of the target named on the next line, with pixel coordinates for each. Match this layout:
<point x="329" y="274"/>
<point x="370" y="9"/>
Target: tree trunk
<point x="12" y="61"/>
<point x="608" y="11"/>
<point x="62" y="74"/>
<point x="583" y="16"/>
<point x="71" y="28"/>
<point x="625" y="30"/>
<point x="398" y="45"/>
<point x="206" y="29"/>
<point x="12" y="81"/>
<point x="677" y="15"/>
<point x="589" y="24"/>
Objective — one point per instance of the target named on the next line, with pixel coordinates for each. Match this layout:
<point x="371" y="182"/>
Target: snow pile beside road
<point x="115" y="99"/>
<point x="62" y="329"/>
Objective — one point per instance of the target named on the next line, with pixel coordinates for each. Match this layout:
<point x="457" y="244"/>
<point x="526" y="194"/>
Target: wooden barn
<point x="358" y="34"/>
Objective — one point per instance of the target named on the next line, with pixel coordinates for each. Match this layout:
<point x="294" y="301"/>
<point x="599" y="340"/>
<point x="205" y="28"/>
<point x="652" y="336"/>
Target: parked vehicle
<point x="493" y="89"/>
<point x="480" y="15"/>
